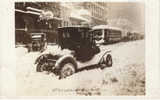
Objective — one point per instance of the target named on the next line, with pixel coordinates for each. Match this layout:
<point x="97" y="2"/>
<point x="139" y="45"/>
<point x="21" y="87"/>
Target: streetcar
<point x="107" y="34"/>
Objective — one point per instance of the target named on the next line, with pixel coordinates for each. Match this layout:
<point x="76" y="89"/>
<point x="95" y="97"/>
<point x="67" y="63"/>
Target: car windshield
<point x="98" y="32"/>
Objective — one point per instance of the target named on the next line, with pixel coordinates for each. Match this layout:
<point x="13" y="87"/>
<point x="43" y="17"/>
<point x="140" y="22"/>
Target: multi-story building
<point x="70" y="15"/>
<point x="25" y="20"/>
<point x="47" y="16"/>
<point x="98" y="12"/>
<point x="29" y="18"/>
<point x="65" y="11"/>
<point x="93" y="13"/>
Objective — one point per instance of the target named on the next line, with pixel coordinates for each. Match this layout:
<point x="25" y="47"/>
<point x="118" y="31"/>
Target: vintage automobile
<point x="76" y="49"/>
<point x="38" y="42"/>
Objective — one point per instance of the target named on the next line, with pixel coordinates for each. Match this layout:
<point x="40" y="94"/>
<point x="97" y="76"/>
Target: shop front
<point x="29" y="21"/>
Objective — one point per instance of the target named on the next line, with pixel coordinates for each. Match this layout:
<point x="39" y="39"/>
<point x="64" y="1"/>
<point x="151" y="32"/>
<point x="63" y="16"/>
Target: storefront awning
<point x="31" y="12"/>
<point x="34" y="9"/>
<point x="21" y="11"/>
<point x="27" y="12"/>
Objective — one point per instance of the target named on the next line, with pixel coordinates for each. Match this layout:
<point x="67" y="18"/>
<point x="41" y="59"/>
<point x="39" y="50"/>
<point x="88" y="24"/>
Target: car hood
<point x="56" y="50"/>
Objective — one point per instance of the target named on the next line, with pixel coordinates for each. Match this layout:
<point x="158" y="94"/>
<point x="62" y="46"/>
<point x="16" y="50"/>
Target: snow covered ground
<point x="125" y="77"/>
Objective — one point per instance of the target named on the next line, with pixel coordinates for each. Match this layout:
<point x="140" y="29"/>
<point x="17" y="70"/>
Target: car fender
<point x="104" y="54"/>
<point x="61" y="59"/>
<point x="42" y="58"/>
<point x="39" y="59"/>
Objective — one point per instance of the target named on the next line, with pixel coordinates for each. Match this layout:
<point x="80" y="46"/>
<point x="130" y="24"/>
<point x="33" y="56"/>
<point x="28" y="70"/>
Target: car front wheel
<point x="109" y="60"/>
<point x="41" y="67"/>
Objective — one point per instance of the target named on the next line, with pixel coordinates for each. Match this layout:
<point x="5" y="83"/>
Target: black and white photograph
<point x="80" y="48"/>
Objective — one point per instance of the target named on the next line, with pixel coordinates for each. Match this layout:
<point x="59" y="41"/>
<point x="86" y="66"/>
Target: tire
<point x="41" y="67"/>
<point x="108" y="61"/>
<point x="68" y="67"/>
<point x="29" y="50"/>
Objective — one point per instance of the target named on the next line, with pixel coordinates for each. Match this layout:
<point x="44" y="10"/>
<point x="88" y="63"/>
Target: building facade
<point x="29" y="19"/>
<point x="93" y="13"/>
<point x="47" y="17"/>
<point x="98" y="12"/>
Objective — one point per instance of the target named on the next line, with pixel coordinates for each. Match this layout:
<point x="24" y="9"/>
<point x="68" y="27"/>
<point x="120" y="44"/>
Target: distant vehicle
<point x="134" y="36"/>
<point x="82" y="52"/>
<point x="38" y="42"/>
<point x="107" y="34"/>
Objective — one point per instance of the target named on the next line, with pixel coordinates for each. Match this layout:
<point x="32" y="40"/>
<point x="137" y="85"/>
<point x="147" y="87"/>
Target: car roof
<point x="105" y="27"/>
<point x="66" y="27"/>
<point x="37" y="33"/>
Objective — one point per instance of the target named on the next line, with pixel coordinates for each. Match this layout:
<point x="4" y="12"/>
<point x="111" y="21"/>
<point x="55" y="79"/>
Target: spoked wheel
<point x="66" y="70"/>
<point x="41" y="67"/>
<point x="108" y="61"/>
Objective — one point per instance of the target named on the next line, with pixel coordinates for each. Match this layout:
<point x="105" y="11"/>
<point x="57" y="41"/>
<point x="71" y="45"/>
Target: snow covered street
<point x="125" y="77"/>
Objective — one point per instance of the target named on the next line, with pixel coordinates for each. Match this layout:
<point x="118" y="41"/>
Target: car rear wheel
<point x="67" y="69"/>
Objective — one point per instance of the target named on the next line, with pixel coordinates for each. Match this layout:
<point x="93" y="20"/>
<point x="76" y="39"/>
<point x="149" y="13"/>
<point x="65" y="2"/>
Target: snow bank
<point x="21" y="51"/>
<point x="7" y="82"/>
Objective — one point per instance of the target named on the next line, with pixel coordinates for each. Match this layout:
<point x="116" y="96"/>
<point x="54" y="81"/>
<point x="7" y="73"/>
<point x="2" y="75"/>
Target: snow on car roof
<point x="37" y="33"/>
<point x="75" y="26"/>
<point x="105" y="27"/>
<point x="36" y="36"/>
